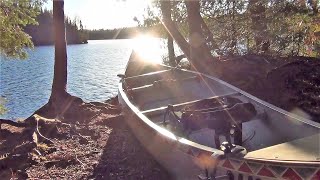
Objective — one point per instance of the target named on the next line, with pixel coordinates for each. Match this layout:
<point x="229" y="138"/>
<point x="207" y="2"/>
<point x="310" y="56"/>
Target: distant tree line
<point x="125" y="33"/>
<point x="42" y="34"/>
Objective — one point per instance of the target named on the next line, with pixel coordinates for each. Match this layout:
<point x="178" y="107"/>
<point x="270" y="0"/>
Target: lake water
<point x="92" y="73"/>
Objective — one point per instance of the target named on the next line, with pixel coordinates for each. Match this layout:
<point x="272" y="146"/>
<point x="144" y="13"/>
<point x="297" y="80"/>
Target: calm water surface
<point x="92" y="74"/>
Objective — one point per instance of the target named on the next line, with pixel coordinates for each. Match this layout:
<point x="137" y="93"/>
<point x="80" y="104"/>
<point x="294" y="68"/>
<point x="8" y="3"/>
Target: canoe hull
<point x="181" y="163"/>
<point x="163" y="149"/>
<point x="184" y="160"/>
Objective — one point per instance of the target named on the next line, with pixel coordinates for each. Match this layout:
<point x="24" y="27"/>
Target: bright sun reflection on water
<point x="148" y="48"/>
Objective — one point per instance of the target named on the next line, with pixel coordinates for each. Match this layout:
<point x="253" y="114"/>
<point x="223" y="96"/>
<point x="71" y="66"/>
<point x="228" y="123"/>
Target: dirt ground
<point x="98" y="146"/>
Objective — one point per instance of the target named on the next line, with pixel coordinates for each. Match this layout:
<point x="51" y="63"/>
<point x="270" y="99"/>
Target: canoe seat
<point x="147" y="79"/>
<point x="174" y="81"/>
<point x="165" y="92"/>
<point x="179" y="106"/>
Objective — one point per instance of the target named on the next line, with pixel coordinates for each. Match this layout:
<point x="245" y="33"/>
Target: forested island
<point x="126" y="33"/>
<point x="42" y="34"/>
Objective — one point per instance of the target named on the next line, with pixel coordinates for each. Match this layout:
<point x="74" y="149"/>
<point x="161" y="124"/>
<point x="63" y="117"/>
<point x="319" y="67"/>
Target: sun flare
<point x="148" y="48"/>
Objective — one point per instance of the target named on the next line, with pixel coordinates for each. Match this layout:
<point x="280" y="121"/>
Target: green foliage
<point x="178" y="14"/>
<point x="14" y="16"/>
<point x="228" y="23"/>
<point x="285" y="28"/>
<point x="152" y="17"/>
<point x="292" y="29"/>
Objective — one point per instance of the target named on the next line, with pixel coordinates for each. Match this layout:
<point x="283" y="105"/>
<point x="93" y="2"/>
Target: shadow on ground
<point x="123" y="156"/>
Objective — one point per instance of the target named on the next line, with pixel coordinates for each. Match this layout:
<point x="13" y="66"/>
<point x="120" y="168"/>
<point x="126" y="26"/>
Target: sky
<point x="104" y="14"/>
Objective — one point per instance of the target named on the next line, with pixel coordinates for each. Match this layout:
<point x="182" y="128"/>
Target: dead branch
<point x="82" y="164"/>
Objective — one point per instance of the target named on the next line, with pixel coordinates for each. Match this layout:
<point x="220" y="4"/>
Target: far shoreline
<point x="124" y="38"/>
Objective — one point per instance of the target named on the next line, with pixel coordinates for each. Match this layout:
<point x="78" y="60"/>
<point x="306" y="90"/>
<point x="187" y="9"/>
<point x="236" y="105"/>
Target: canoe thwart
<point x="178" y="106"/>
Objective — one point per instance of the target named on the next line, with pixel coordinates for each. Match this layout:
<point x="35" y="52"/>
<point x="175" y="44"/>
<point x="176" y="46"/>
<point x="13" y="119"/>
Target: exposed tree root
<point x="75" y="145"/>
<point x="65" y="113"/>
<point x="12" y="123"/>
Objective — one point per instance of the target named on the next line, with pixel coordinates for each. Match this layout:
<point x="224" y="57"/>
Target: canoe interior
<point x="151" y="93"/>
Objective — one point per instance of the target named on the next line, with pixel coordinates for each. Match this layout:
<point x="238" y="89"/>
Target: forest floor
<point x="94" y="142"/>
<point x="290" y="83"/>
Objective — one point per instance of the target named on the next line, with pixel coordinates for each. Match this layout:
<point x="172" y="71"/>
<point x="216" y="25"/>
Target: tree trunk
<point x="209" y="35"/>
<point x="167" y="13"/>
<point x="172" y="29"/>
<point x="233" y="44"/>
<point x="59" y="95"/>
<point x="259" y="25"/>
<point x="172" y="57"/>
<point x="60" y="60"/>
<point x="199" y="51"/>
